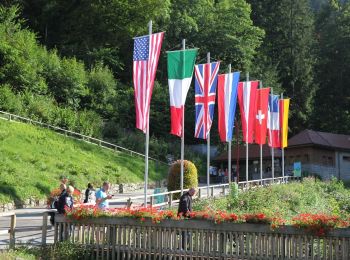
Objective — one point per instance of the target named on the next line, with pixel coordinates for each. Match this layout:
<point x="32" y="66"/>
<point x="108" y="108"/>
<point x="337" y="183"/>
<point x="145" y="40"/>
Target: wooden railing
<point x="13" y="230"/>
<point x="220" y="189"/>
<point x="127" y="238"/>
<point x="72" y="134"/>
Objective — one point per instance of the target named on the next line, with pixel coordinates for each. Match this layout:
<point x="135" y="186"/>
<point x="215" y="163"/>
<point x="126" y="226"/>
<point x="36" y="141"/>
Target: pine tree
<point x="332" y="102"/>
<point x="289" y="45"/>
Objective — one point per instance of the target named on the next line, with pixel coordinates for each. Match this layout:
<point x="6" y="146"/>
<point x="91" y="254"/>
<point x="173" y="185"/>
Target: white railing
<point x="222" y="190"/>
<point x="76" y="135"/>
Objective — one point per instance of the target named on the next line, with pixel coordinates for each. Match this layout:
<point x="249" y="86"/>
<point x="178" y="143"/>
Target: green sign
<point x="297" y="169"/>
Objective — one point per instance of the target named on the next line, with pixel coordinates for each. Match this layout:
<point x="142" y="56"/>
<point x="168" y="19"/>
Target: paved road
<point x="31" y="220"/>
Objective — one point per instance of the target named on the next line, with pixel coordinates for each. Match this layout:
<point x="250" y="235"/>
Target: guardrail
<point x="76" y="135"/>
<point x="128" y="238"/>
<point x="13" y="230"/>
<point x="169" y="200"/>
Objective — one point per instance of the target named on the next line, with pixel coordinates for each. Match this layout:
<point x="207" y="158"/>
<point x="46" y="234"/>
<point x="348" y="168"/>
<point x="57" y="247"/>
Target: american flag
<point x="146" y="55"/>
<point x="205" y="92"/>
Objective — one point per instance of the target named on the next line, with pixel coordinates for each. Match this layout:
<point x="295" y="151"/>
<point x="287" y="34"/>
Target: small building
<point x="324" y="154"/>
<point x="253" y="161"/>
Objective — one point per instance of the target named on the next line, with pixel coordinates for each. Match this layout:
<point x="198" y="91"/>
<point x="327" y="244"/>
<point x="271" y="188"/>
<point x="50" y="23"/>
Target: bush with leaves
<point x="9" y="102"/>
<point x="174" y="176"/>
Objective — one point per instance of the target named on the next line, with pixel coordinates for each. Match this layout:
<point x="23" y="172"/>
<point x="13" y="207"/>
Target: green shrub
<point x="9" y="102"/>
<point x="102" y="90"/>
<point x="38" y="107"/>
<point x="89" y="123"/>
<point x="190" y="176"/>
<point x="61" y="250"/>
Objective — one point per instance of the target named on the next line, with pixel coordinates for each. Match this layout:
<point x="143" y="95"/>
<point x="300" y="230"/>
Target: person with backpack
<point x="90" y="194"/>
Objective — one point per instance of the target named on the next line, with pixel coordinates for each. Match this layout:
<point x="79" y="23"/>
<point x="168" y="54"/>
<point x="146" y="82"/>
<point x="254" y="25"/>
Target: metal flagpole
<point x="246" y="144"/>
<point x="183" y="129"/>
<point x="147" y="137"/>
<point x="208" y="145"/>
<point x="229" y="145"/>
<point x="271" y="129"/>
<point x="261" y="160"/>
<point x="282" y="147"/>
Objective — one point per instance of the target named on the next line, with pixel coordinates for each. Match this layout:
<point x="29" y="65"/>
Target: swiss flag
<point x="247" y="107"/>
<point x="262" y="101"/>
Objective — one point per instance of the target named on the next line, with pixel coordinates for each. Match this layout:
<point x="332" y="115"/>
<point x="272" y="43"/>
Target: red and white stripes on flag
<point x="146" y="55"/>
<point x="247" y="105"/>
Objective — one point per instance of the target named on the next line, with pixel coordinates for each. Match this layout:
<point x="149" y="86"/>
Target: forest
<point x="69" y="62"/>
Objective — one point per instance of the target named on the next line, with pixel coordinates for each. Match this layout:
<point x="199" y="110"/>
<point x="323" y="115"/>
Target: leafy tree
<point x="102" y="89"/>
<point x="19" y="63"/>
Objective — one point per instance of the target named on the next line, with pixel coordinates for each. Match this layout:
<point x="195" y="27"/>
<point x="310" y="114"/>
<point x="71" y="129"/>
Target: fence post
<point x="128" y="203"/>
<point x="12" y="231"/>
<point x="151" y="201"/>
<point x="199" y="193"/>
<point x="9" y="117"/>
<point x="212" y="191"/>
<point x="224" y="190"/>
<point x="44" y="229"/>
<point x="170" y="200"/>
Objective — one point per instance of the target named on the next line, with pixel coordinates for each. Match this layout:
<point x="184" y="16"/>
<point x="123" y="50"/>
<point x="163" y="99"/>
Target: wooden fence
<point x="127" y="238"/>
<point x="14" y="230"/>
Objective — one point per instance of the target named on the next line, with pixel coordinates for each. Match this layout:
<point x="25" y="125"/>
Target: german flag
<point x="284" y="111"/>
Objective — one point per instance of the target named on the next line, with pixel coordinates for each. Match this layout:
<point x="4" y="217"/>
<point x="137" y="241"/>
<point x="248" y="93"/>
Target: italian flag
<point x="180" y="71"/>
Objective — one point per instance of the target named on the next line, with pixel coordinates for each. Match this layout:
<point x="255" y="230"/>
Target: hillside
<point x="32" y="159"/>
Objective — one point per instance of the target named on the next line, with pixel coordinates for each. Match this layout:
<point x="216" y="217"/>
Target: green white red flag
<point x="180" y="71"/>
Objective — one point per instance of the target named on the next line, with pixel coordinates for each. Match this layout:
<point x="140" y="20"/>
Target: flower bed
<point x="319" y="224"/>
<point x="316" y="224"/>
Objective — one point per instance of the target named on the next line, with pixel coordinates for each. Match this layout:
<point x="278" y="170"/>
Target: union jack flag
<point x="205" y="92"/>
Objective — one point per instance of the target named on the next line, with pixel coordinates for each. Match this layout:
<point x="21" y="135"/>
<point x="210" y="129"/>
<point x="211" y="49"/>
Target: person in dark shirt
<point x="185" y="204"/>
<point x="185" y="208"/>
<point x="65" y="200"/>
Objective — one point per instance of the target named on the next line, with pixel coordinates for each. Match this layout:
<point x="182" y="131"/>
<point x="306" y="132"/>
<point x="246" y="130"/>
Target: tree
<point x="289" y="44"/>
<point x="332" y="103"/>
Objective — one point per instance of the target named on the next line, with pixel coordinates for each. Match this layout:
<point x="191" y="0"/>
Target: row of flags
<point x="262" y="114"/>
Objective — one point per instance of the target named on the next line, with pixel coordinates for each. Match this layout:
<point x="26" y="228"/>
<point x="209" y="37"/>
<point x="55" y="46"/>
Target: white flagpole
<point x="271" y="129"/>
<point x="147" y="138"/>
<point x="246" y="144"/>
<point x="261" y="160"/>
<point x="229" y="143"/>
<point x="282" y="148"/>
<point x="183" y="129"/>
<point x="208" y="145"/>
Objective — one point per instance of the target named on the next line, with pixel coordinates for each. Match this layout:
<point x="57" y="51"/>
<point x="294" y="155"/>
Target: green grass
<point x="32" y="159"/>
<point x="286" y="201"/>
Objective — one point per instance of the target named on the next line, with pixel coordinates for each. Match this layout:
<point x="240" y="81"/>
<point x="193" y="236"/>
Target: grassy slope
<point x="287" y="200"/>
<point x="32" y="159"/>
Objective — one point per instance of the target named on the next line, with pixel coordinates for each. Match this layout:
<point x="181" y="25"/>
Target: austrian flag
<point x="247" y="105"/>
<point x="180" y="71"/>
